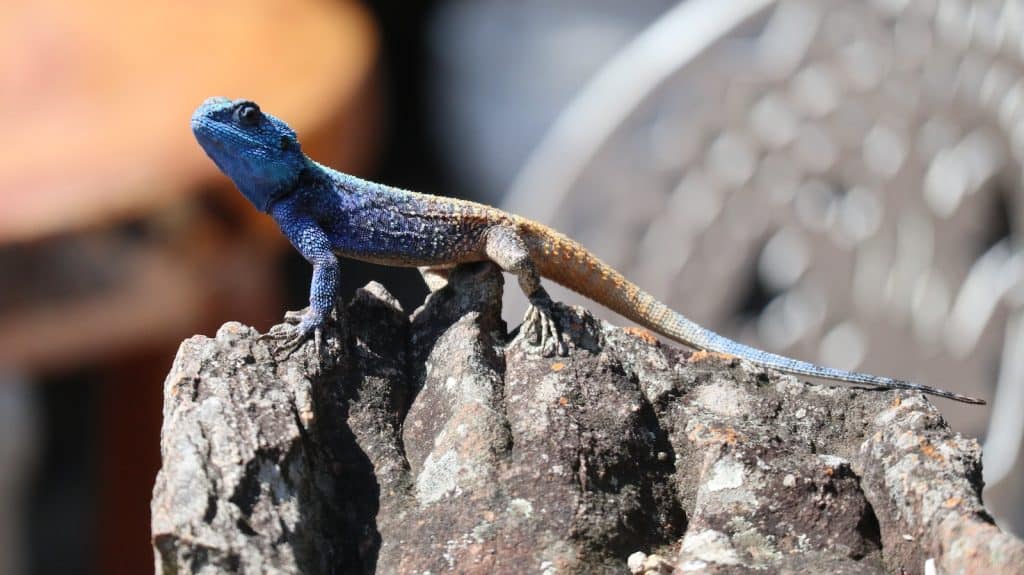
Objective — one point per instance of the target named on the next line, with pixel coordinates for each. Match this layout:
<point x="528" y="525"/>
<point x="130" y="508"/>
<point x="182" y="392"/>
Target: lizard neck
<point x="265" y="194"/>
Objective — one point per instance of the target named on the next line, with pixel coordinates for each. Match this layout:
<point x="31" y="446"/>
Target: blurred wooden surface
<point x="96" y="96"/>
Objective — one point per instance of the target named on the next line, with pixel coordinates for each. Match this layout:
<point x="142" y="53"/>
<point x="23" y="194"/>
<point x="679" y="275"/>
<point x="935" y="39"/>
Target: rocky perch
<point x="438" y="443"/>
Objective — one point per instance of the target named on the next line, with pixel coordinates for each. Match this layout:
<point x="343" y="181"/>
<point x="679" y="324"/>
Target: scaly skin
<point x="326" y="214"/>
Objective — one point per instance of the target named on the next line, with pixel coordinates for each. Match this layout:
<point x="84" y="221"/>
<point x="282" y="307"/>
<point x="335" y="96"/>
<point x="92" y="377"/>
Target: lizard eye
<point x="248" y="114"/>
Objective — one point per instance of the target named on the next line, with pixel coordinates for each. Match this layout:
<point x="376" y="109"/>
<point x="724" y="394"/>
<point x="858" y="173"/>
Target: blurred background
<point x="835" y="180"/>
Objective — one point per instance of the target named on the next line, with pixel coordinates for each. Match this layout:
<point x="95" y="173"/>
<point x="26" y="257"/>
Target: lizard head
<point x="259" y="152"/>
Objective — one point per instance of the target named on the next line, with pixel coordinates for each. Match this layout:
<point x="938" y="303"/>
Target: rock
<point x="439" y="443"/>
<point x="635" y="562"/>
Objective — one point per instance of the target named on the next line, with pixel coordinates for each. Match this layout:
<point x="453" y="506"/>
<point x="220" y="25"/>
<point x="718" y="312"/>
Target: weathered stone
<point x="438" y="443"/>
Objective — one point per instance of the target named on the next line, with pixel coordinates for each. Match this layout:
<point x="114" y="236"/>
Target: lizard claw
<point x="543" y="331"/>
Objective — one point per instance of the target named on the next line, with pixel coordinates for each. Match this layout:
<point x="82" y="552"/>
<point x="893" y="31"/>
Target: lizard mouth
<point x="221" y="137"/>
<point x="205" y="131"/>
<point x="210" y="135"/>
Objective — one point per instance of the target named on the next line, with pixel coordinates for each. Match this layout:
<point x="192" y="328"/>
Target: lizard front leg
<point x="314" y="245"/>
<point x="505" y="247"/>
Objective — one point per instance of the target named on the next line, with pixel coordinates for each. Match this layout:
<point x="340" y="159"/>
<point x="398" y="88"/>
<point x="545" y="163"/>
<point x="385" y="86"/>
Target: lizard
<point x="327" y="214"/>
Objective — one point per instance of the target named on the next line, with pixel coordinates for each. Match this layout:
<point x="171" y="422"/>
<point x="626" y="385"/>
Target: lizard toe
<point x="532" y="326"/>
<point x="318" y="342"/>
<point x="541" y="330"/>
<point x="292" y="342"/>
<point x="547" y="337"/>
<point x="294" y="317"/>
<point x="556" y="339"/>
<point x="561" y="348"/>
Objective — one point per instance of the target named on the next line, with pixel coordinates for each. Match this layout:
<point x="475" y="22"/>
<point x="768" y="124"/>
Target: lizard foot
<point x="292" y="339"/>
<point x="542" y="330"/>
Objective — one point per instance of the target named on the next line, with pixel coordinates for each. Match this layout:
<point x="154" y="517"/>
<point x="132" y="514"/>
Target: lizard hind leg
<point x="505" y="247"/>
